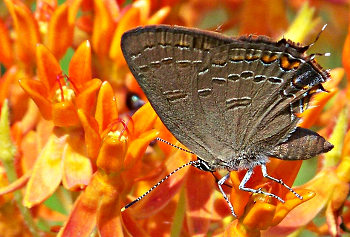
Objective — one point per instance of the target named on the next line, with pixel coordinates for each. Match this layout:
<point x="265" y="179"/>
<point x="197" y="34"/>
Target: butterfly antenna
<point x="168" y="143"/>
<point x="318" y="36"/>
<point x="312" y="56"/>
<point x="192" y="162"/>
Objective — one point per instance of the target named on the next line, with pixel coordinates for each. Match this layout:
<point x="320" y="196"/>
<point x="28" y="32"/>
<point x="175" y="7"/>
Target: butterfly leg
<point x="220" y="183"/>
<point x="244" y="181"/>
<point x="280" y="181"/>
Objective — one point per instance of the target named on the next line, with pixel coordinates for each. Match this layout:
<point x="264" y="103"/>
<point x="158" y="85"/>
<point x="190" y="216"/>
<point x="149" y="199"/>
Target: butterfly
<point x="232" y="101"/>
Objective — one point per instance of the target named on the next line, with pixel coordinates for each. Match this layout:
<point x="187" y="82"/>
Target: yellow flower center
<point x="43" y="26"/>
<point x="64" y="94"/>
<point x="117" y="135"/>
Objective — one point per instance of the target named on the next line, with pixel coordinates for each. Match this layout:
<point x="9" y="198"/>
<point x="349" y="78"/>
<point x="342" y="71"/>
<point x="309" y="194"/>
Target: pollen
<point x="43" y="27"/>
<point x="64" y="94"/>
<point x="117" y="135"/>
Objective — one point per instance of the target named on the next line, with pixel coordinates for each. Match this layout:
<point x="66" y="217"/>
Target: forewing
<point x="165" y="61"/>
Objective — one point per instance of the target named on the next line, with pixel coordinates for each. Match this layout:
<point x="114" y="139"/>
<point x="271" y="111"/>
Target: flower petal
<point x="112" y="153"/>
<point x="323" y="185"/>
<point x="291" y="201"/>
<point x="64" y="114"/>
<point x="92" y="137"/>
<point x="80" y="65"/>
<point x="38" y="93"/>
<point x="27" y="31"/>
<point x="252" y="218"/>
<point x="337" y="139"/>
<point x="30" y="148"/>
<point x="86" y="99"/>
<point x="98" y="195"/>
<point x="77" y="169"/>
<point x="104" y="26"/>
<point x="238" y="198"/>
<point x="159" y="16"/>
<point x="343" y="169"/>
<point x="48" y="67"/>
<point x="108" y="219"/>
<point x="73" y="10"/>
<point x="346" y="53"/>
<point x="6" y="82"/>
<point x="60" y="28"/>
<point x="43" y="11"/>
<point x="6" y="52"/>
<point x="82" y="218"/>
<point x="199" y="201"/>
<point x="144" y="119"/>
<point x="333" y="220"/>
<point x="302" y="24"/>
<point x="133" y="225"/>
<point x="237" y="229"/>
<point x="47" y="172"/>
<point x="106" y="108"/>
<point x="276" y="18"/>
<point x="138" y="147"/>
<point x="16" y="185"/>
<point x="285" y="170"/>
<point x="130" y="19"/>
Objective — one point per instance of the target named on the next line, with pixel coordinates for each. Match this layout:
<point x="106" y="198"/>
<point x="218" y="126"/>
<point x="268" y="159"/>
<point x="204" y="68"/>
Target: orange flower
<point x="52" y="21"/>
<point x="57" y="99"/>
<point x="62" y="158"/>
<point x="119" y="152"/>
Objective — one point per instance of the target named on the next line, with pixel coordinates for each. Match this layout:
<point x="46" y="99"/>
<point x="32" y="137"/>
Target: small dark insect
<point x="232" y="101"/>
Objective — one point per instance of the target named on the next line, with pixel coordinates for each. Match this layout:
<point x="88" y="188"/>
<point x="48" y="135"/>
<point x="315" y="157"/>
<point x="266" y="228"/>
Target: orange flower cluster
<point x="73" y="152"/>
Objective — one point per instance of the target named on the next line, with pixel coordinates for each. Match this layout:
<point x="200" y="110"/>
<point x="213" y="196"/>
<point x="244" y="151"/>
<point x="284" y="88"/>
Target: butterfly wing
<point x="301" y="145"/>
<point x="256" y="94"/>
<point x="221" y="97"/>
<point x="165" y="61"/>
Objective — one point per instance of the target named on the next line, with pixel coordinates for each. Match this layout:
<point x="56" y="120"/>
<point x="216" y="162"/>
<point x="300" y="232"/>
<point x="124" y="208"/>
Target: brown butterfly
<point x="232" y="101"/>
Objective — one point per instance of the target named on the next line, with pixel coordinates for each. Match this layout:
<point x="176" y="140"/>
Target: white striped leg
<point x="280" y="181"/>
<point x="220" y="183"/>
<point x="244" y="181"/>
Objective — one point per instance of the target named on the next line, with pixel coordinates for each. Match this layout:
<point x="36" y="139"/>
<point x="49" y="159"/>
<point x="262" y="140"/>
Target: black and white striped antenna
<point x="318" y="36"/>
<point x="192" y="162"/>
